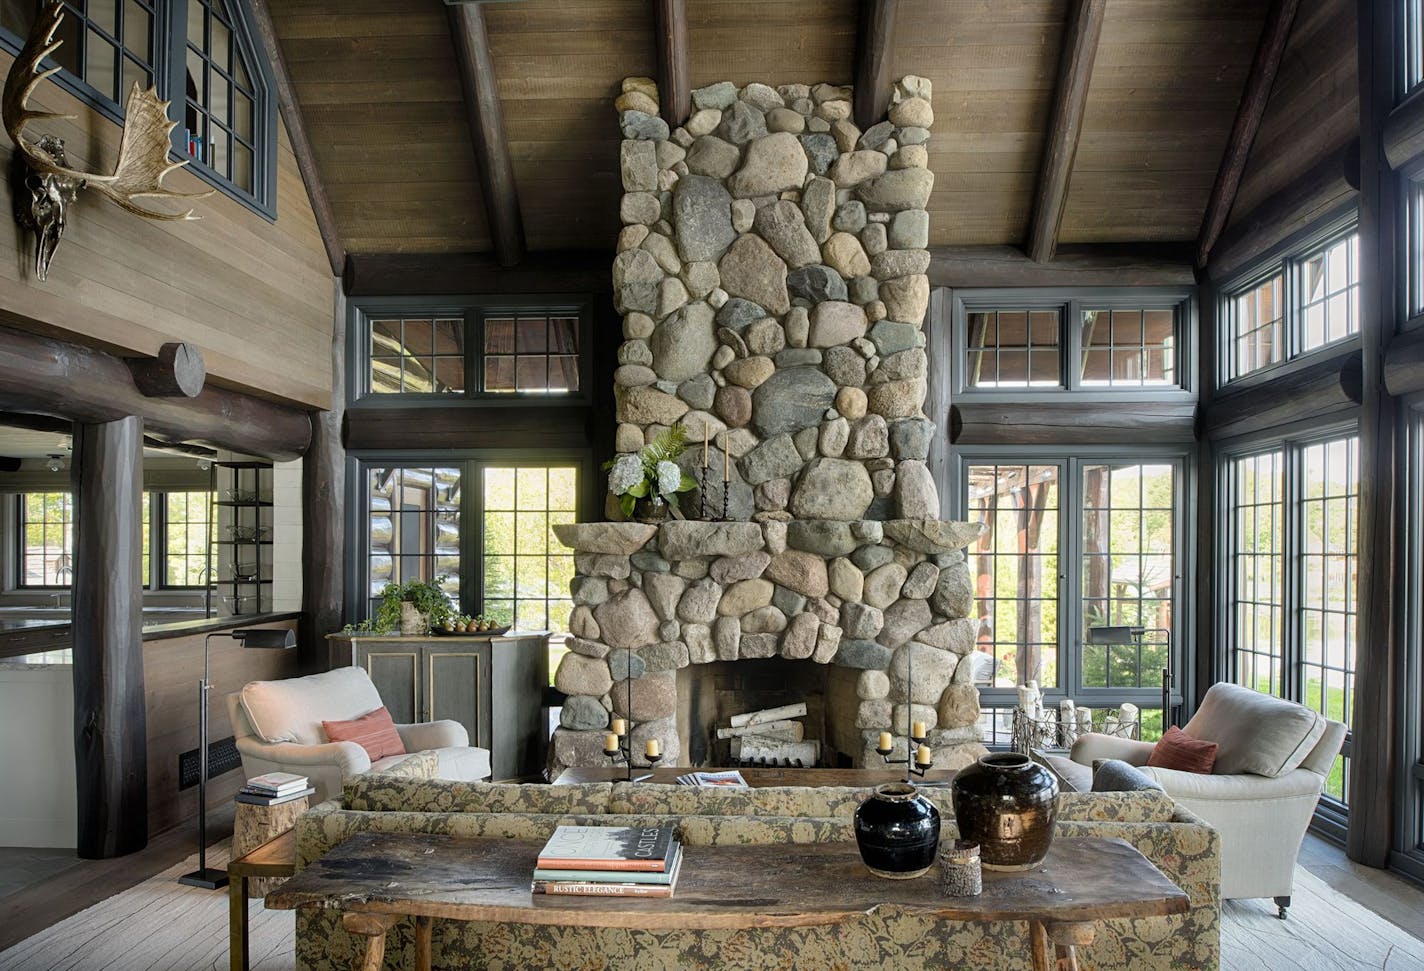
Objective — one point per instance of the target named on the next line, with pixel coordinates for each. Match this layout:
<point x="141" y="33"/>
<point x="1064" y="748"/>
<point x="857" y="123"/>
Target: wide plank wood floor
<point x="1359" y="919"/>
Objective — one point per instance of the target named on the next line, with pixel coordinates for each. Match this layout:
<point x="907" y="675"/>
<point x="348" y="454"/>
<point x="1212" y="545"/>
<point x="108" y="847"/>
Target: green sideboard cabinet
<point x="493" y="685"/>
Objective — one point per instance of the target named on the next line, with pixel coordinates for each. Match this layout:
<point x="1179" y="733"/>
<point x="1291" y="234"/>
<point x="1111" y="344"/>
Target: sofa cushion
<point x="378" y="792"/>
<point x="1254" y="732"/>
<point x="1178" y="750"/>
<point x="1115" y="775"/>
<point x="665" y="800"/>
<point x="374" y="731"/>
<point x="293" y="710"/>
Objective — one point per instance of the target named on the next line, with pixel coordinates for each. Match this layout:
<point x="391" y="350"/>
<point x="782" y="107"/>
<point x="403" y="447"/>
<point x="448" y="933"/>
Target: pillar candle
<point x="653" y="748"/>
<point x="620" y="727"/>
<point x="917" y="730"/>
<point x="610" y="742"/>
<point x="923" y="756"/>
<point x="886" y="742"/>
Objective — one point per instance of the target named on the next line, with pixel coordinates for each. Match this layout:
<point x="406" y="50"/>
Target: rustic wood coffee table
<point x="374" y="879"/>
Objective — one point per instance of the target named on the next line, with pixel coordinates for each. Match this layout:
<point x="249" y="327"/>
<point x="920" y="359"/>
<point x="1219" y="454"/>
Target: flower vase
<point x="653" y="509"/>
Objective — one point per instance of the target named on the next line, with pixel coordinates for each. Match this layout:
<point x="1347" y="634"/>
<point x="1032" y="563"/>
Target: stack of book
<point x="274" y="788"/>
<point x="609" y="861"/>
<point x="708" y="780"/>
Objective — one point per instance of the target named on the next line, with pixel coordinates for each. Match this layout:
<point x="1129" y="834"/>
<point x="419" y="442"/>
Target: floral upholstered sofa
<point x="1180" y="844"/>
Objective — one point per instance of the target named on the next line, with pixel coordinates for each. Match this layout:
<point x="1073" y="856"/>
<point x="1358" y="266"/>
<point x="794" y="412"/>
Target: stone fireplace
<point x="771" y="274"/>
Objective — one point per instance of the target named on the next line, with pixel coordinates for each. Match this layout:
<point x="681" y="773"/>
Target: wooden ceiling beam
<point x="291" y="112"/>
<point x="1070" y="99"/>
<point x="1269" y="49"/>
<point x="874" y="57"/>
<point x="674" y="69"/>
<point x="1089" y="265"/>
<point x="486" y="120"/>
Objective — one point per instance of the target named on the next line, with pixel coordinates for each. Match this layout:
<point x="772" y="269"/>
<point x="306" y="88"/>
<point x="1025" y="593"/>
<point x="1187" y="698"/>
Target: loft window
<point x="199" y="54"/>
<point x="532" y="354"/>
<point x="1293" y="306"/>
<point x="1009" y="342"/>
<point x="417" y="355"/>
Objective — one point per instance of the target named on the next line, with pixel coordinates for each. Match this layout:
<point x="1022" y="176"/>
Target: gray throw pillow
<point x="1115" y="775"/>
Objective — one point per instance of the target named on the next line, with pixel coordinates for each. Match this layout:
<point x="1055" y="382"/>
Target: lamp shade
<point x="272" y="638"/>
<point x="1114" y="635"/>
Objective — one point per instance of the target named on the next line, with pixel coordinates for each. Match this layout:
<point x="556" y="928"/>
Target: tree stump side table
<point x="257" y="825"/>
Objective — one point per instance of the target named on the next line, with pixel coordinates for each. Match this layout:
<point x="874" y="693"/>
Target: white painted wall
<point x="37" y="800"/>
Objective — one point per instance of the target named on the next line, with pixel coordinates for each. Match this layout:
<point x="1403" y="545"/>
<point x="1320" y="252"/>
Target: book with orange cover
<point x="648" y="848"/>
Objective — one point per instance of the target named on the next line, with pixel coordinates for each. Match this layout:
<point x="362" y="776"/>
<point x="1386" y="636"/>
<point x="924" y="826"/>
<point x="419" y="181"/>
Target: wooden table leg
<point x="1038" y="943"/>
<point x="422" y="944"/>
<point x="237" y="924"/>
<point x="373" y="927"/>
<point x="1067" y="937"/>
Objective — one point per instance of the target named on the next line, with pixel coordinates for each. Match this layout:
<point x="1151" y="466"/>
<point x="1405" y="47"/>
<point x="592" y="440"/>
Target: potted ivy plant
<point x="412" y="607"/>
<point x="648" y="482"/>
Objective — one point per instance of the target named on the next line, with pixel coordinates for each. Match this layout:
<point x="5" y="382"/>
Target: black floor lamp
<point x="270" y="638"/>
<point x="1133" y="636"/>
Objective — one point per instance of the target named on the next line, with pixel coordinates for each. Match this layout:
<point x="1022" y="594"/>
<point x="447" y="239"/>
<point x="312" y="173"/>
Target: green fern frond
<point x="666" y="447"/>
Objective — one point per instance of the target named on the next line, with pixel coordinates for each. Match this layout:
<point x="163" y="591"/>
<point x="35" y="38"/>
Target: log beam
<point x="44" y="376"/>
<point x="291" y="111"/>
<point x="486" y="121"/>
<point x="1404" y="132"/>
<point x="674" y="69"/>
<point x="1034" y="423"/>
<point x="1117" y="265"/>
<point x="874" y="60"/>
<point x="1070" y="98"/>
<point x="1312" y="392"/>
<point x="177" y="372"/>
<point x="1249" y="112"/>
<point x="422" y="274"/>
<point x="110" y="740"/>
<point x="1404" y="363"/>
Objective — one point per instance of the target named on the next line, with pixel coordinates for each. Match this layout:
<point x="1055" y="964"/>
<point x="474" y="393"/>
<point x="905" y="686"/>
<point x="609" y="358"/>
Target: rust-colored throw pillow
<point x="375" y="732"/>
<point x="1178" y="750"/>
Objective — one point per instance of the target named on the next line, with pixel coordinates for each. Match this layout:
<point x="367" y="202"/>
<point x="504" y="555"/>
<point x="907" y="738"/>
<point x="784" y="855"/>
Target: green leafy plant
<point x="651" y="472"/>
<point x="425" y="595"/>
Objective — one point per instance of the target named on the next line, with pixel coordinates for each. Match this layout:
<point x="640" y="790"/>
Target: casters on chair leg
<point x="1281" y="904"/>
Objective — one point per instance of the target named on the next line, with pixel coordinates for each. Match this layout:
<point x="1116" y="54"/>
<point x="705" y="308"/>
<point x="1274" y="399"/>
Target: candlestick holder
<point x="624" y="754"/>
<point x="726" y="496"/>
<point x="702" y="493"/>
<point x="913" y="766"/>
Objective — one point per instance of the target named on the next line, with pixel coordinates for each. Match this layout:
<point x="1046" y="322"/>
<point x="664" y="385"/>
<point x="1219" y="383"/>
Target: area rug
<point x="161" y="925"/>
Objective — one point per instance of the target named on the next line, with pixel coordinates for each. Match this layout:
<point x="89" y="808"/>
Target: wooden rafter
<point x="874" y="50"/>
<point x="486" y="118"/>
<point x="301" y="145"/>
<point x="1249" y="113"/>
<point x="1075" y="73"/>
<point x="674" y="71"/>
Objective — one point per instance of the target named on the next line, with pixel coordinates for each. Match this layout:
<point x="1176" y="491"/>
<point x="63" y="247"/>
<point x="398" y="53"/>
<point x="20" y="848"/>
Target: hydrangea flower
<point x="626" y="473"/>
<point x="669" y="477"/>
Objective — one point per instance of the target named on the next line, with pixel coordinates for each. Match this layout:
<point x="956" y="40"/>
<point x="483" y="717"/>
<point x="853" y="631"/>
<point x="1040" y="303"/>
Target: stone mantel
<point x="864" y="595"/>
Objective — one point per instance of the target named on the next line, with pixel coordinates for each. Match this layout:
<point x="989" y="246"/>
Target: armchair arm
<point x="445" y="733"/>
<point x="349" y="757"/>
<point x="1095" y="746"/>
<point x="1237" y="788"/>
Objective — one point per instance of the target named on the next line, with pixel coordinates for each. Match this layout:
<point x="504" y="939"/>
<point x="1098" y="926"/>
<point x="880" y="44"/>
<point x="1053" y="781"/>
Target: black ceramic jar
<point x="1007" y="803"/>
<point x="897" y="830"/>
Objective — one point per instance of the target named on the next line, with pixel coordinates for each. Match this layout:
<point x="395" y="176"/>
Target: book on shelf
<point x="262" y="799"/>
<point x="624" y="884"/>
<point x="647" y="848"/>
<point x="729" y="779"/>
<point x="651" y="877"/>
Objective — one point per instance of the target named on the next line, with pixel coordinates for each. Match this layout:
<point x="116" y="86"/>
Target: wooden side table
<point x="258" y="825"/>
<point x="275" y="858"/>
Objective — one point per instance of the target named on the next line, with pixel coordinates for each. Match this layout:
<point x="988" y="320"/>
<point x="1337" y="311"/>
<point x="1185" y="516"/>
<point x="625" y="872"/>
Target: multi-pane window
<point x="221" y="102"/>
<point x="1014" y="349"/>
<point x="1305" y="302"/>
<point x="107" y="44"/>
<point x="190" y="530"/>
<point x="418" y="355"/>
<point x="413" y="527"/>
<point x="1414" y="246"/>
<point x="1014" y="567"/>
<point x="46" y="539"/>
<point x="1128" y="542"/>
<point x="527" y="571"/>
<point x="1412" y="61"/>
<point x="1129" y="348"/>
<point x="531" y="353"/>
<point x="1292" y="580"/>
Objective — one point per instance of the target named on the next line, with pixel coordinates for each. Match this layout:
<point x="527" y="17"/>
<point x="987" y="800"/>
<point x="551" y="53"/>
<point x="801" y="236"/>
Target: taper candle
<point x="620" y="727"/>
<point x="886" y="742"/>
<point x="706" y="440"/>
<point x="653" y="748"/>
<point x="726" y="462"/>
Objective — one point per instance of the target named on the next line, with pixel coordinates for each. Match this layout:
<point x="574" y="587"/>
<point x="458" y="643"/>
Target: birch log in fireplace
<point x="771" y="276"/>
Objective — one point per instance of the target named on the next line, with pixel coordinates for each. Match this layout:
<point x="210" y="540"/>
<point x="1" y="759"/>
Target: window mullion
<point x="1292" y="566"/>
<point x="1070" y="575"/>
<point x="1072" y="341"/>
<point x="472" y="537"/>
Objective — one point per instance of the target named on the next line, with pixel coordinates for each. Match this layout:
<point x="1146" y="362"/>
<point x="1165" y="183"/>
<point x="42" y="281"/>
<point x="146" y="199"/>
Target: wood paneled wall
<point x="254" y="295"/>
<point x="172" y="669"/>
<point x="1314" y="106"/>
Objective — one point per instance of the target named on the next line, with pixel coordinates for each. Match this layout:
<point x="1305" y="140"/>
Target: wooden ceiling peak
<point x="486" y="118"/>
<point x="1070" y="99"/>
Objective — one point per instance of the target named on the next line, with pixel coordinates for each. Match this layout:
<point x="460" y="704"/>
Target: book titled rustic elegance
<point x="596" y="883"/>
<point x="609" y="848"/>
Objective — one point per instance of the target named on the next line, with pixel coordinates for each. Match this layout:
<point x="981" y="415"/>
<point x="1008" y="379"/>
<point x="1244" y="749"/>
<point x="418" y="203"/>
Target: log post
<point x="110" y="740"/>
<point x="177" y="372"/>
<point x="674" y="69"/>
<point x="323" y="517"/>
<point x="874" y="57"/>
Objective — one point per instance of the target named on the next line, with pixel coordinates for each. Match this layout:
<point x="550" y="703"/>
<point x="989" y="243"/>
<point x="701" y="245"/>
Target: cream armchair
<point x="278" y="728"/>
<point x="1273" y="758"/>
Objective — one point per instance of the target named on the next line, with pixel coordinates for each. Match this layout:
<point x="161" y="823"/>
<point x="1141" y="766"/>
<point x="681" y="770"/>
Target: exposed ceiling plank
<point x="291" y="112"/>
<point x="1075" y="72"/>
<point x="674" y="71"/>
<point x="486" y="119"/>
<point x="874" y="56"/>
<point x="1083" y="265"/>
<point x="1249" y="113"/>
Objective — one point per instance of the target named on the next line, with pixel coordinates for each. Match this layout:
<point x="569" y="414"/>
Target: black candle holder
<point x="913" y="767"/>
<point x="702" y="493"/>
<point x="624" y="753"/>
<point x="726" y="496"/>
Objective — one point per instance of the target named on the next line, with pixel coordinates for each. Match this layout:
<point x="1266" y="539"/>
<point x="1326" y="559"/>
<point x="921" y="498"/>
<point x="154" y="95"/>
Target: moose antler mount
<point x="50" y="183"/>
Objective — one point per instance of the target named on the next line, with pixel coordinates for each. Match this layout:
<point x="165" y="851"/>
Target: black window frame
<point x="1070" y="304"/>
<point x="17" y="549"/>
<point x="1409" y="835"/>
<point x="473" y="310"/>
<point x="171" y="16"/>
